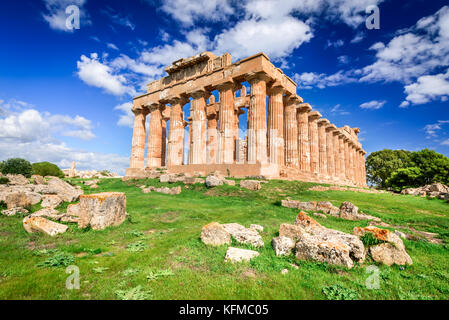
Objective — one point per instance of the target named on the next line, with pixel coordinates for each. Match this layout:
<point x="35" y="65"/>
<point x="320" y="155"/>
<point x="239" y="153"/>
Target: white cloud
<point x="373" y="105"/>
<point x="343" y="59"/>
<point x="358" y="37"/>
<point x="112" y="46"/>
<point x="309" y="80"/>
<point x="445" y="142"/>
<point x="100" y="75"/>
<point x="56" y="15"/>
<point x="187" y="12"/>
<point x="335" y="44"/>
<point x="337" y="109"/>
<point x="127" y="117"/>
<point x="432" y="129"/>
<point x="426" y="89"/>
<point x="118" y="18"/>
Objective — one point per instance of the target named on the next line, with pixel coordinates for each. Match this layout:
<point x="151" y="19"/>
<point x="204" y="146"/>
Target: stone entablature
<point x="285" y="137"/>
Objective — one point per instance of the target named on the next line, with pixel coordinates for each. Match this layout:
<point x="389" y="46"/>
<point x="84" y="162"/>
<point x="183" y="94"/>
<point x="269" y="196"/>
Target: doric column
<point x="226" y="123"/>
<point x="330" y="151"/>
<point x="341" y="156"/>
<point x="337" y="162"/>
<point x="313" y="137"/>
<point x="176" y="132"/>
<point x="198" y="127"/>
<point x="347" y="158"/>
<point x="276" y="124"/>
<point x="164" y="142"/>
<point x="257" y="124"/>
<point x="359" y="167"/>
<point x="303" y="136"/>
<point x="212" y="136"/>
<point x="138" y="142"/>
<point x="322" y="146"/>
<point x="154" y="151"/>
<point x="291" y="132"/>
<point x="351" y="161"/>
<point x="363" y="165"/>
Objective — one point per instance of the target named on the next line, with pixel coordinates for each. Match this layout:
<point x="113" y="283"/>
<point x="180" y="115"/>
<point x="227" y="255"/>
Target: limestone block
<point x="256" y="227"/>
<point x="17" y="199"/>
<point x="251" y="184"/>
<point x="37" y="179"/>
<point x="283" y="246"/>
<point x="328" y="208"/>
<point x="13" y="211"/>
<point x="65" y="191"/>
<point x="308" y="206"/>
<point x="238" y="255"/>
<point x="214" y="234"/>
<point x="39" y="224"/>
<point x="73" y="209"/>
<point x="102" y="210"/>
<point x="244" y="235"/>
<point x="17" y="179"/>
<point x="229" y="182"/>
<point x="294" y="204"/>
<point x="51" y="201"/>
<point x="213" y="181"/>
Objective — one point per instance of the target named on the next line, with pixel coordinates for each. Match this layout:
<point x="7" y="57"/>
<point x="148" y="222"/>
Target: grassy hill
<point x="157" y="253"/>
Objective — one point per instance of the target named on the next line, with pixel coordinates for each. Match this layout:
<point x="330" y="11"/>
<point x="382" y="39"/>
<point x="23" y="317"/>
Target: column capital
<point x="323" y="122"/>
<point x="292" y="99"/>
<point x="314" y="115"/>
<point x="304" y="107"/>
<point x="258" y="75"/>
<point x="224" y="84"/>
<point x="276" y="88"/>
<point x="176" y="99"/>
<point x="139" y="110"/>
<point x="198" y="93"/>
<point x="331" y="128"/>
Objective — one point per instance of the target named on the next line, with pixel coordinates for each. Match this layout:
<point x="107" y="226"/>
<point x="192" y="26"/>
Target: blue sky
<point x="66" y="94"/>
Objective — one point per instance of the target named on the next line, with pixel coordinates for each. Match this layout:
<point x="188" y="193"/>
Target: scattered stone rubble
<point x="238" y="255"/>
<point x="435" y="190"/>
<point x="339" y="188"/>
<point x="39" y="224"/>
<point x="165" y="190"/>
<point x="87" y="174"/>
<point x="346" y="211"/>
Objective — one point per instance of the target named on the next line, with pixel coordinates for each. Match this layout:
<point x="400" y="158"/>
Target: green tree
<point x="434" y="166"/>
<point x="380" y="165"/>
<point x="47" y="169"/>
<point x="405" y="178"/>
<point x="16" y="166"/>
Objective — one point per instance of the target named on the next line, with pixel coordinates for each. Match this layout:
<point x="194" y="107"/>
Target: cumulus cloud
<point x="373" y="105"/>
<point x="100" y="75"/>
<point x="309" y="80"/>
<point x="426" y="89"/>
<point x="56" y="15"/>
<point x="127" y="117"/>
<point x="433" y="129"/>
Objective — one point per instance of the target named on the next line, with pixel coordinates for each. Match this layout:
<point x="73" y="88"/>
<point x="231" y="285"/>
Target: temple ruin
<point x="284" y="137"/>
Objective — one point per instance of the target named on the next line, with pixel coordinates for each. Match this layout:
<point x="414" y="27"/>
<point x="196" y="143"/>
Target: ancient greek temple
<point x="284" y="137"/>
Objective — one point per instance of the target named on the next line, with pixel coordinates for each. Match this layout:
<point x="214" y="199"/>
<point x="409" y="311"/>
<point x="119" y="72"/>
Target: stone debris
<point x="90" y="182"/>
<point x="349" y="211"/>
<point x="164" y="190"/>
<point x="229" y="182"/>
<point x="17" y="180"/>
<point x="214" y="234"/>
<point x="37" y="179"/>
<point x="17" y="200"/>
<point x="338" y="188"/>
<point x="238" y="255"/>
<point x="51" y="201"/>
<point x="55" y="215"/>
<point x="253" y="185"/>
<point x="194" y="180"/>
<point x="65" y="191"/>
<point x="435" y="190"/>
<point x="213" y="181"/>
<point x="14" y="211"/>
<point x="256" y="227"/>
<point x="244" y="235"/>
<point x="317" y="243"/>
<point x="39" y="224"/>
<point x="73" y="209"/>
<point x="392" y="251"/>
<point x="283" y="246"/>
<point x="102" y="210"/>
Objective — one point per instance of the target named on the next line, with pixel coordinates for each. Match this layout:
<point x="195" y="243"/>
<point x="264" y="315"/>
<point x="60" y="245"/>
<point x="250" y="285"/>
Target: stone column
<point x="176" y="133"/>
<point x="226" y="123"/>
<point x="276" y="125"/>
<point x="212" y="136"/>
<point x="359" y="167"/>
<point x="198" y="127"/>
<point x="138" y="142"/>
<point x="154" y="151"/>
<point x="164" y="142"/>
<point x="346" y="158"/>
<point x="341" y="156"/>
<point x="351" y="161"/>
<point x="337" y="162"/>
<point x="313" y="137"/>
<point x="330" y="151"/>
<point x="303" y="136"/>
<point x="291" y="132"/>
<point x="363" y="165"/>
<point x="257" y="124"/>
<point x="322" y="146"/>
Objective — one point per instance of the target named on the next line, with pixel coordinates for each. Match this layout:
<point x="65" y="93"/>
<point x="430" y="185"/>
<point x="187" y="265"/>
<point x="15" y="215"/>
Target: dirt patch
<point x="33" y="246"/>
<point x="170" y="216"/>
<point x="249" y="273"/>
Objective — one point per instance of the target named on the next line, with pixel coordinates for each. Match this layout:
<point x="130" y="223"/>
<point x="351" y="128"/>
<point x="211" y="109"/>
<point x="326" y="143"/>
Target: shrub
<point x="4" y="180"/>
<point x="337" y="292"/>
<point x="16" y="166"/>
<point x="47" y="169"/>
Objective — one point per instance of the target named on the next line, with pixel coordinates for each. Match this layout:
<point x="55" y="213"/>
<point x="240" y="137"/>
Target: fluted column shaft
<point x="212" y="136"/>
<point x="276" y="125"/>
<point x="363" y="169"/>
<point x="322" y="146"/>
<point x="164" y="143"/>
<point x="226" y="124"/>
<point x="154" y="153"/>
<point x="330" y="152"/>
<point x="291" y="134"/>
<point x="303" y="137"/>
<point x="257" y="126"/>
<point x="137" y="159"/>
<point x="351" y="161"/>
<point x="337" y="162"/>
<point x="176" y="134"/>
<point x="314" y="150"/>
<point x="198" y="128"/>
<point x="342" y="157"/>
<point x="347" y="159"/>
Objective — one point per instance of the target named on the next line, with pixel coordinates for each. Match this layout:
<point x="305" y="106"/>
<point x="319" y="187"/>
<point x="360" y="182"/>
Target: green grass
<point x="157" y="253"/>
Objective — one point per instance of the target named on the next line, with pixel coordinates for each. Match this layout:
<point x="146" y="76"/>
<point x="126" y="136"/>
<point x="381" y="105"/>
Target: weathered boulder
<point x="229" y="182"/>
<point x="64" y="190"/>
<point x="392" y="251"/>
<point x="283" y="246"/>
<point x="237" y="254"/>
<point x="51" y="201"/>
<point x="164" y="178"/>
<point x="244" y="235"/>
<point x="37" y="179"/>
<point x="250" y="184"/>
<point x="349" y="211"/>
<point x="328" y="208"/>
<point x="308" y="206"/>
<point x="213" y="181"/>
<point x="73" y="209"/>
<point x="39" y="224"/>
<point x="256" y="227"/>
<point x="17" y="199"/>
<point x="193" y="180"/>
<point x="214" y="234"/>
<point x="90" y="182"/>
<point x="165" y="190"/>
<point x="17" y="179"/>
<point x="14" y="211"/>
<point x="102" y="210"/>
<point x="288" y="203"/>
